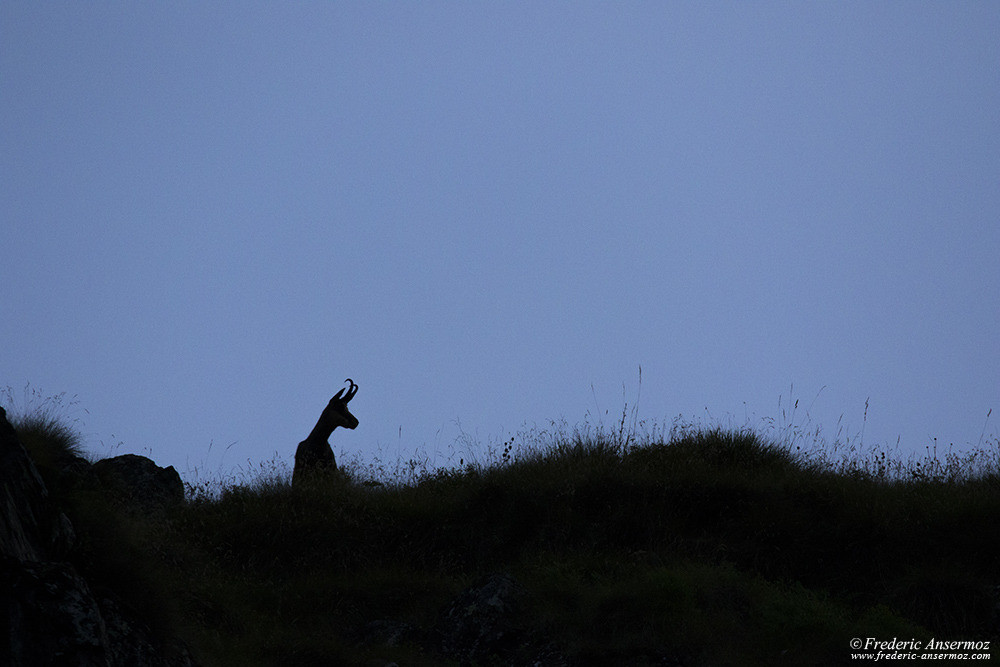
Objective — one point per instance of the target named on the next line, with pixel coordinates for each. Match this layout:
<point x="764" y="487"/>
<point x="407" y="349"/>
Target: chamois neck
<point x="321" y="432"/>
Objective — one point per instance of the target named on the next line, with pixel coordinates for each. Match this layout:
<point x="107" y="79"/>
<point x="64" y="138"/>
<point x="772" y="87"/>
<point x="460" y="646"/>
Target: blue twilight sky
<point x="489" y="215"/>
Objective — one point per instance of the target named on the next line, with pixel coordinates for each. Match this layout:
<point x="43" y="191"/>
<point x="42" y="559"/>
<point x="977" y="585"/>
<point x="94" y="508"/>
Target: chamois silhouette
<point x="314" y="454"/>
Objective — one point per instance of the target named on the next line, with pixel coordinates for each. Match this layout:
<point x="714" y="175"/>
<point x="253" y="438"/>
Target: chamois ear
<point x="337" y="396"/>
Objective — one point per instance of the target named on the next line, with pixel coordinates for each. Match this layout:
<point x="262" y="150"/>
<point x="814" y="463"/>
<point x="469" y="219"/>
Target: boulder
<point x="140" y="483"/>
<point x="54" y="618"/>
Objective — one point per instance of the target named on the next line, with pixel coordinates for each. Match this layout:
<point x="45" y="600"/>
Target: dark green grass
<point x="708" y="547"/>
<point x="715" y="548"/>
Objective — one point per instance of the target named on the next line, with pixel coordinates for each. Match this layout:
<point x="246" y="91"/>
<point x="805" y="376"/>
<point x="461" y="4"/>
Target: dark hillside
<point x="716" y="548"/>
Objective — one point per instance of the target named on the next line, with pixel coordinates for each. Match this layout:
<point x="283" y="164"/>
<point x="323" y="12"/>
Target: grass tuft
<point x="45" y="426"/>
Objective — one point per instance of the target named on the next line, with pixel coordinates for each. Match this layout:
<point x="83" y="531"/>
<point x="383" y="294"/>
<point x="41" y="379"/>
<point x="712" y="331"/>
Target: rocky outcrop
<point x="49" y="615"/>
<point x="52" y="615"/>
<point x="139" y="483"/>
<point x="31" y="528"/>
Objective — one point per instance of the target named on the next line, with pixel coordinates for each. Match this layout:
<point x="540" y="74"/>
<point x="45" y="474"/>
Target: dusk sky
<point x="490" y="215"/>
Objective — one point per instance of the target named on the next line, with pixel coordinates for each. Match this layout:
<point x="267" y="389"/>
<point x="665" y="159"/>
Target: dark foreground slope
<point x="714" y="549"/>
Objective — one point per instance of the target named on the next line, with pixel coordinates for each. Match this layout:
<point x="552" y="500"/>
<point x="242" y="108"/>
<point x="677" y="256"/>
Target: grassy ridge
<point x="711" y="547"/>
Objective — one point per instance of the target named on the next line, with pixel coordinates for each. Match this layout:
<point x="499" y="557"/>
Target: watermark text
<point x="896" y="649"/>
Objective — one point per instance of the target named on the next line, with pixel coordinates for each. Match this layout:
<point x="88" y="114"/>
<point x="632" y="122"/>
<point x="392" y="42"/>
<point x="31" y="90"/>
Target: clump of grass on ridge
<point x="44" y="426"/>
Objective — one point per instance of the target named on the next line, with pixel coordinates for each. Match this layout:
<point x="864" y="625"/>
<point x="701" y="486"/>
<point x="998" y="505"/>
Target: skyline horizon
<point x="491" y="216"/>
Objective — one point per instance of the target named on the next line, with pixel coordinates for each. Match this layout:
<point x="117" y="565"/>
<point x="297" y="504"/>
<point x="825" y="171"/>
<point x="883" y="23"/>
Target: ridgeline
<point x="714" y="547"/>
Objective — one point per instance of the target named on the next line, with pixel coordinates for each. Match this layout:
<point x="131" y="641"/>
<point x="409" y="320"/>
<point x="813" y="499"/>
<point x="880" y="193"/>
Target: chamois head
<point x="336" y="412"/>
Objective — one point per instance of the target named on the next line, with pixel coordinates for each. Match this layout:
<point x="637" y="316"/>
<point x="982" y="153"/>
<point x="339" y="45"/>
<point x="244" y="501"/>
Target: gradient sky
<point x="489" y="215"/>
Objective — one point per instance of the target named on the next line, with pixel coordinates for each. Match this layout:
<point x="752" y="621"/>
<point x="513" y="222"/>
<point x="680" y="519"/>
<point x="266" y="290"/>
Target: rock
<point x="391" y="634"/>
<point x="140" y="483"/>
<point x="482" y="621"/>
<point x="53" y="618"/>
<point x="31" y="527"/>
<point x="131" y="643"/>
<point x="49" y="614"/>
<point x="486" y="624"/>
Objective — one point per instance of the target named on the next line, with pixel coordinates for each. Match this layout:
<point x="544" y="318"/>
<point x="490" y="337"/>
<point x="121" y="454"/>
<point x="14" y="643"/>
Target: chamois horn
<point x="352" y="391"/>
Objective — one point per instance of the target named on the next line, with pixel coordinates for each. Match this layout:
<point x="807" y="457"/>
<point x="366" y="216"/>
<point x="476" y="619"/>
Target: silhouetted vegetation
<point x="704" y="546"/>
